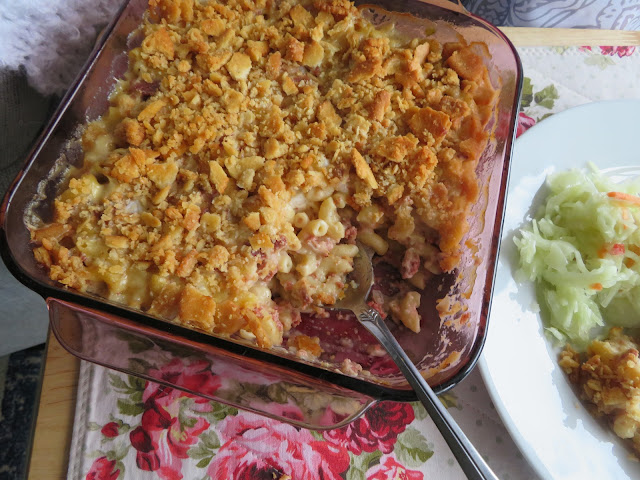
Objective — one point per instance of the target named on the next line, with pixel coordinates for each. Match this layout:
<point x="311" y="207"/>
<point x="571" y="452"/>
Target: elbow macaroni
<point x="317" y="228"/>
<point x="300" y="220"/>
<point x="373" y="240"/>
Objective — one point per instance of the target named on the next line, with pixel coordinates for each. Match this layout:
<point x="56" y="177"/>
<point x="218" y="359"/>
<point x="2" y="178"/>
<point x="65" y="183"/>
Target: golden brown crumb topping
<point x="609" y="379"/>
<point x="249" y="145"/>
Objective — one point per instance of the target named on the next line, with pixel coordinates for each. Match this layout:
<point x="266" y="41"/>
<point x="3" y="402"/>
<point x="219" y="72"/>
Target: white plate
<point x="531" y="393"/>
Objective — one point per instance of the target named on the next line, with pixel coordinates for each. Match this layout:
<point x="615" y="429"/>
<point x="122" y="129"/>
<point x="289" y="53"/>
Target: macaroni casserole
<point x="248" y="148"/>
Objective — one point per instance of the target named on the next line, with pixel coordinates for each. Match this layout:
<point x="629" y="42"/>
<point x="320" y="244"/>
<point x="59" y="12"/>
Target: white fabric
<point x="51" y="38"/>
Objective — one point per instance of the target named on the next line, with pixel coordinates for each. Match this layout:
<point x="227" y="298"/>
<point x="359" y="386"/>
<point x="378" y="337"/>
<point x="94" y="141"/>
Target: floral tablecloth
<point x="128" y="428"/>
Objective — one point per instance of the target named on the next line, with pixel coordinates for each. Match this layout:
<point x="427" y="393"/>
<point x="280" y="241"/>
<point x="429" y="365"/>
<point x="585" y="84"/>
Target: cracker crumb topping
<point x="250" y="144"/>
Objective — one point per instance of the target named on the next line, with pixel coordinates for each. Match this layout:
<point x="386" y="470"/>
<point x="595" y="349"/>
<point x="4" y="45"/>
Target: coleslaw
<point x="583" y="251"/>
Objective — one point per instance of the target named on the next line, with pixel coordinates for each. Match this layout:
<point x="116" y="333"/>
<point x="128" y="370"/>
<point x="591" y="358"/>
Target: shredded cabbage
<point x="583" y="249"/>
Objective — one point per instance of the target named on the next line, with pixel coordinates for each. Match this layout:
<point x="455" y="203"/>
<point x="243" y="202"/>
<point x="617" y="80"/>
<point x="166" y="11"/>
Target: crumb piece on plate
<point x="608" y="376"/>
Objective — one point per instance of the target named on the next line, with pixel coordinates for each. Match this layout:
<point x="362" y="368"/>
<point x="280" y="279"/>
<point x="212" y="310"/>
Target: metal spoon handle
<point x="468" y="457"/>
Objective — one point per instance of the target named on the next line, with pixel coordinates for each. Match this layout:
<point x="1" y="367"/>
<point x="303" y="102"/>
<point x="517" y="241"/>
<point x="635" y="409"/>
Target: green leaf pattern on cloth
<point x="359" y="465"/>
<point x="412" y="448"/>
<point x="546" y="96"/>
<point x="599" y="61"/>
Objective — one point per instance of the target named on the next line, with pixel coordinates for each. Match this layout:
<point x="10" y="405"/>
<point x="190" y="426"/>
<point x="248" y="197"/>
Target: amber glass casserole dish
<point x="328" y="370"/>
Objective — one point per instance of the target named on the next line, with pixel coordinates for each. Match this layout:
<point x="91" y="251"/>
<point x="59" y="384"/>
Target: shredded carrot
<point x="635" y="249"/>
<point x="625" y="214"/>
<point x="629" y="262"/>
<point x="596" y="286"/>
<point x="617" y="249"/>
<point x="626" y="197"/>
<point x="608" y="249"/>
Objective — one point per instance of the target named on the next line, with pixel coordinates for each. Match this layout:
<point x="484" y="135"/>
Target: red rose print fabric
<point x="390" y="469"/>
<point x="176" y="435"/>
<point x="378" y="429"/>
<point x="256" y="447"/>
<point x="103" y="469"/>
<point x="525" y="122"/>
<point x="619" y="51"/>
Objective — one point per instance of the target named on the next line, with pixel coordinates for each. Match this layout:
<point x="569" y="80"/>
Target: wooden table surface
<point x="52" y="438"/>
<point x="54" y="424"/>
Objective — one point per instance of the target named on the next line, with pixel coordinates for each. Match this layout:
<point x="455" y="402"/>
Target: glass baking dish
<point x="274" y="382"/>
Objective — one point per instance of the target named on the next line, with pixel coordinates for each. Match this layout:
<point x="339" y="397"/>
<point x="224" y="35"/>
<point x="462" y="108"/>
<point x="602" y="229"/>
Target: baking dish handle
<point x="227" y="378"/>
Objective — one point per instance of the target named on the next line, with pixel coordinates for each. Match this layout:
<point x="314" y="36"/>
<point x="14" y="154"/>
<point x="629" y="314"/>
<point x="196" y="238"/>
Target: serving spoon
<point x="468" y="457"/>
